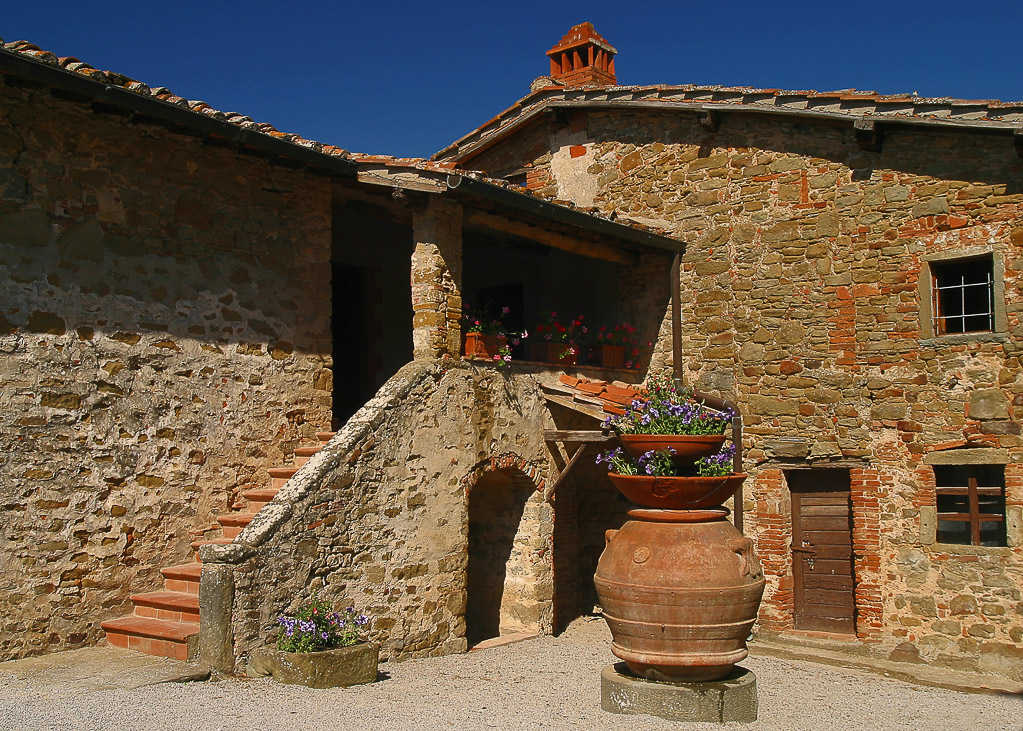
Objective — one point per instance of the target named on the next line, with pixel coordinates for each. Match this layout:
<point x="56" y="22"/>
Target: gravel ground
<point x="546" y="683"/>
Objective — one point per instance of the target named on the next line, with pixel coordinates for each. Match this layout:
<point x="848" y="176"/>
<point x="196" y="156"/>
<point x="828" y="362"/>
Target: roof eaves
<point x="844" y="105"/>
<point x="440" y="177"/>
<point x="23" y="61"/>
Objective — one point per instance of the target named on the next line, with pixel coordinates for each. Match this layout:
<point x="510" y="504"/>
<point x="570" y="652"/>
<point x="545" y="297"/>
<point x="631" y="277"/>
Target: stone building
<point x="191" y="296"/>
<point x="852" y="280"/>
<point x="188" y="298"/>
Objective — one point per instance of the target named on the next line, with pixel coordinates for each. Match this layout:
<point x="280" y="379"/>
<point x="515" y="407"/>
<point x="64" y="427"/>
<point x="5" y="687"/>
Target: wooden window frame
<point x="972" y="491"/>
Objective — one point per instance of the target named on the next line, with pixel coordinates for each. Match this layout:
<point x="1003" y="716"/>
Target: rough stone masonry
<point x="806" y="299"/>
<point x="164" y="337"/>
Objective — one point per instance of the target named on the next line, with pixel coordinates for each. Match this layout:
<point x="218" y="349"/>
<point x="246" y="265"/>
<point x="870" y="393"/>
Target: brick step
<point x="302" y="454"/>
<point x="280" y="475"/>
<point x="158" y="637"/>
<point x="174" y="606"/>
<point x="184" y="577"/>
<point x="203" y="541"/>
<point x="259" y="497"/>
<point x="325" y="436"/>
<point x="234" y="523"/>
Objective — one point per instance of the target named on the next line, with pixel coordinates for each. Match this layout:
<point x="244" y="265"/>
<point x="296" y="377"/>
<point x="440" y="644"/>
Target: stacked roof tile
<point x="591" y="396"/>
<point x="844" y="102"/>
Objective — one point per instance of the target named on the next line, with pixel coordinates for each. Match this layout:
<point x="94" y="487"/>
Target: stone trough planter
<point x="342" y="666"/>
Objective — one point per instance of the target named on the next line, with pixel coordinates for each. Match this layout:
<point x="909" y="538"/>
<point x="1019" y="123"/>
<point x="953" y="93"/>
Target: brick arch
<point x="522" y="472"/>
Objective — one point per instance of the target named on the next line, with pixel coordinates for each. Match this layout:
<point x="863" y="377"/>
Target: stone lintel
<point x="967" y="455"/>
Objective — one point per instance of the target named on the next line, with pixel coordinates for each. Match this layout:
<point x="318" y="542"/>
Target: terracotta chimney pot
<point x="583" y="58"/>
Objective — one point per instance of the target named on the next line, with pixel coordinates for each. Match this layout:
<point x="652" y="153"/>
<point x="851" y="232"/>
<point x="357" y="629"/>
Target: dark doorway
<point x="499" y="582"/>
<point x="352" y="339"/>
<point x="371" y="312"/>
<point x="822" y="557"/>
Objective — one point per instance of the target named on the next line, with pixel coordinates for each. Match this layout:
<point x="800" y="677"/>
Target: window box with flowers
<point x="615" y="347"/>
<point x="487" y="338"/>
<point x="320" y="648"/>
<point x="554" y="342"/>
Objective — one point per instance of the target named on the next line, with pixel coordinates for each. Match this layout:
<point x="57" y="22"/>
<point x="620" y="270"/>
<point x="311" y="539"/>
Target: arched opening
<point x="504" y="587"/>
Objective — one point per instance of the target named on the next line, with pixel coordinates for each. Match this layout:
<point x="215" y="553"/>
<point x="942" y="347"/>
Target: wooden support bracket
<point x="868" y="134"/>
<point x="709" y="119"/>
<point x="584" y="439"/>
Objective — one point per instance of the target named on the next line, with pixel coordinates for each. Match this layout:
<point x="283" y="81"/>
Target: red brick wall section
<point x="508" y="463"/>
<point x="774" y="534"/>
<point x="865" y="486"/>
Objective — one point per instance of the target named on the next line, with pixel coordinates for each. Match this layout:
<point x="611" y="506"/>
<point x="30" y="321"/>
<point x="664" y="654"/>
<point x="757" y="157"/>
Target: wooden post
<point x="676" y="319"/>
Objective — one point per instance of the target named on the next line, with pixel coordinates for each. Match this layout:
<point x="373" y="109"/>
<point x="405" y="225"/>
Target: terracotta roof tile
<point x="850" y="102"/>
<point x="73" y="65"/>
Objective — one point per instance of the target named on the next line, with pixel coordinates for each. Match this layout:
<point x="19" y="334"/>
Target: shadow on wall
<point x="978" y="159"/>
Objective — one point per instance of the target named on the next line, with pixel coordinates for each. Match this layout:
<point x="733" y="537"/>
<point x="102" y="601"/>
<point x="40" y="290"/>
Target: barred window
<point x="971" y="504"/>
<point x="963" y="295"/>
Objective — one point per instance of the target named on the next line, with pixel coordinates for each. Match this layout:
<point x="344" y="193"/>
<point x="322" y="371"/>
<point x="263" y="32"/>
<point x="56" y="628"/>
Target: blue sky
<point x="406" y="78"/>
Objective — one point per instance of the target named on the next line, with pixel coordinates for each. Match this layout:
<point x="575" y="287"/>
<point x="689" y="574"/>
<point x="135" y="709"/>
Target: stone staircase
<point x="166" y="623"/>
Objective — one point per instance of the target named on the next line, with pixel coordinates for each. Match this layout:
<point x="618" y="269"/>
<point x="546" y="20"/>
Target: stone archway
<point x="509" y="573"/>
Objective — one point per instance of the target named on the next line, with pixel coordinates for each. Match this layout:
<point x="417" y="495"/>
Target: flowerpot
<point x="478" y="345"/>
<point x="679" y="590"/>
<point x="557" y="353"/>
<point x="341" y="666"/>
<point x="688" y="448"/>
<point x="609" y="356"/>
<point x="676" y="493"/>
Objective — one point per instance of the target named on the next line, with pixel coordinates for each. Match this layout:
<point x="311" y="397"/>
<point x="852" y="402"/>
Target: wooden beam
<point x="576" y="436"/>
<point x="570" y="403"/>
<point x="595" y="250"/>
<point x="867" y="134"/>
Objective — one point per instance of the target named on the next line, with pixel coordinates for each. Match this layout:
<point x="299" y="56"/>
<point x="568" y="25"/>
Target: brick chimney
<point x="583" y="58"/>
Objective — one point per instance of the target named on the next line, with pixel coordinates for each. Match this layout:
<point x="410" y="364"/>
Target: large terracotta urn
<point x="680" y="591"/>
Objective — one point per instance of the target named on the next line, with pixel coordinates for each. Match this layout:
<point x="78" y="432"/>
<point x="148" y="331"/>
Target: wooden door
<point x="822" y="558"/>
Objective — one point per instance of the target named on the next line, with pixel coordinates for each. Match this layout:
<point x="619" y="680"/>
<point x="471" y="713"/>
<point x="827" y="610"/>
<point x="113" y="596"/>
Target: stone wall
<point x="164" y="337"/>
<point x="805" y="299"/>
<point x="380" y="518"/>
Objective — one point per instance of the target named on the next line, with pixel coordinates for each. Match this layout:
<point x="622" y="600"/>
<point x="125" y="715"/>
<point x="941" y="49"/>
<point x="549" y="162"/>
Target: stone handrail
<point x="217" y="585"/>
<point x="424" y="439"/>
<point x="322" y="466"/>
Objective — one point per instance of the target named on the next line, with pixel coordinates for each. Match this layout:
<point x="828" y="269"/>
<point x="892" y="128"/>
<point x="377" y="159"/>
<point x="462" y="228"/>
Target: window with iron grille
<point x="963" y="295"/>
<point x="971" y="504"/>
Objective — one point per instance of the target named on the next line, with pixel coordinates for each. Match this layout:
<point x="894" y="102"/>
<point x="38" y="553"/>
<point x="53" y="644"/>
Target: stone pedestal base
<point x="733" y="698"/>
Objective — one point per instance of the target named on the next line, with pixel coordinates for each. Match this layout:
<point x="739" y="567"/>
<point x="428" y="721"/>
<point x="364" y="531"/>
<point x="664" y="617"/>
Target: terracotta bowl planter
<point x="339" y="667"/>
<point x="478" y="345"/>
<point x="687" y="448"/>
<point x="676" y="493"/>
